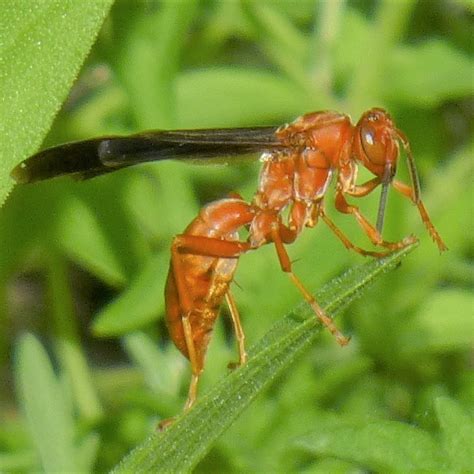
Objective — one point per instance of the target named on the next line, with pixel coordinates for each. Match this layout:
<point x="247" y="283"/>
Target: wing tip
<point x="21" y="174"/>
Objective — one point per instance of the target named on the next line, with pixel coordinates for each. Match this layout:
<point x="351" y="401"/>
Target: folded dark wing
<point x="88" y="158"/>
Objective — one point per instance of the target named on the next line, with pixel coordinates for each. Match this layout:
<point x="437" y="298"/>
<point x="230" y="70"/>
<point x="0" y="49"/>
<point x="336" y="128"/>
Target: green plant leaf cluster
<point x="387" y="446"/>
<point x="83" y="265"/>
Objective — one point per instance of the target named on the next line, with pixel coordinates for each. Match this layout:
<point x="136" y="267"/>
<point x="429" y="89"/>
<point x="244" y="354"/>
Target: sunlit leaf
<point x="457" y="429"/>
<point x="140" y="304"/>
<point x="42" y="46"/>
<point x="444" y="323"/>
<point x="423" y="74"/>
<point x="48" y="413"/>
<point x="381" y="446"/>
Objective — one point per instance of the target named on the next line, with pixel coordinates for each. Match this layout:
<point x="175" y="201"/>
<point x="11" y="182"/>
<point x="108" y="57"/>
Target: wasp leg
<point x="409" y="192"/>
<point x="285" y="264"/>
<point x="239" y="332"/>
<point x="195" y="366"/>
<point x="345" y="240"/>
<point x="343" y="206"/>
<point x="201" y="245"/>
<point x="192" y="391"/>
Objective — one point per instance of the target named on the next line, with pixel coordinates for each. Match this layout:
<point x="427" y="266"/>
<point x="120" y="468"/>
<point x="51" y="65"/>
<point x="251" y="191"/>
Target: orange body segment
<point x="203" y="262"/>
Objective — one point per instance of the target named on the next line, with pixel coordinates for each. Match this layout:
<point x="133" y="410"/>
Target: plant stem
<point x="68" y="349"/>
<point x="386" y="30"/>
<point x="326" y="34"/>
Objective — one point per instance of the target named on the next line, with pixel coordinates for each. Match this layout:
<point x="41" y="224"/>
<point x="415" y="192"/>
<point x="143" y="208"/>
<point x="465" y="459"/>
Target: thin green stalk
<point x="3" y="324"/>
<point x="68" y="348"/>
<point x="151" y="59"/>
<point x="325" y="37"/>
<point x="390" y="22"/>
<point x="282" y="42"/>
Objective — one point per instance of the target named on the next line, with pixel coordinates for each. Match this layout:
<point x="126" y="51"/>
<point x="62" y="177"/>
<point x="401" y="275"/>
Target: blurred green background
<point x="82" y="265"/>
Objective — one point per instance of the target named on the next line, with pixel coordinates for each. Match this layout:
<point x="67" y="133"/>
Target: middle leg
<point x="286" y="266"/>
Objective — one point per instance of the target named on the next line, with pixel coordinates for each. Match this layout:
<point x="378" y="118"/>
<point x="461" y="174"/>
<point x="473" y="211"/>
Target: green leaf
<point x="141" y="303"/>
<point x="23" y="461"/>
<point x="377" y="44"/>
<point x="279" y="38"/>
<point x="419" y="74"/>
<point x="428" y="74"/>
<point x="334" y="466"/>
<point x="221" y="92"/>
<point x="161" y="372"/>
<point x="444" y="323"/>
<point x="42" y="46"/>
<point x="150" y="58"/>
<point x="82" y="237"/>
<point x="382" y="446"/>
<point x="48" y="413"/>
<point x="87" y="452"/>
<point x="457" y="429"/>
<point x="182" y="445"/>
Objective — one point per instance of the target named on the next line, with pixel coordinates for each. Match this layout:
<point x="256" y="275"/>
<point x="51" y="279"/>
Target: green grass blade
<point x="81" y="234"/>
<point x="148" y="68"/>
<point x="48" y="413"/>
<point x="181" y="446"/>
<point x="138" y="304"/>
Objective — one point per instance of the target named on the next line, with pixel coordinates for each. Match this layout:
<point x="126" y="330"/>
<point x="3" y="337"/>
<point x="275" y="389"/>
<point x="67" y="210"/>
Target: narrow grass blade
<point x="182" y="445"/>
<point x="49" y="415"/>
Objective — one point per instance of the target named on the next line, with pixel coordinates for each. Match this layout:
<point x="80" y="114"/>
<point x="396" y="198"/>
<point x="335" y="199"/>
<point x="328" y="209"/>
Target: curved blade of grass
<point x="48" y="413"/>
<point x="184" y="444"/>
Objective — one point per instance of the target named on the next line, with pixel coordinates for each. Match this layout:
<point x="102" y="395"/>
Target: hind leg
<point x="239" y="332"/>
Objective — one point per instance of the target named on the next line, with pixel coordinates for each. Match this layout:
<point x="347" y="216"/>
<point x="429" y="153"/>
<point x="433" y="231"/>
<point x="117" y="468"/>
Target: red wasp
<point x="299" y="161"/>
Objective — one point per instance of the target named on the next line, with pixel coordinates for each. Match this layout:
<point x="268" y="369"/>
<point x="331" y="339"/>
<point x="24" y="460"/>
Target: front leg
<point x="364" y="189"/>
<point x="411" y="194"/>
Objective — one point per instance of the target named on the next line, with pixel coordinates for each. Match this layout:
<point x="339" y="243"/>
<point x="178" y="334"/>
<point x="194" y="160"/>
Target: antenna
<point x="386" y="180"/>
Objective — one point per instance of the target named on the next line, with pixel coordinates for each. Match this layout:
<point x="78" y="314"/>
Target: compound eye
<point x="372" y="144"/>
<point x="369" y="137"/>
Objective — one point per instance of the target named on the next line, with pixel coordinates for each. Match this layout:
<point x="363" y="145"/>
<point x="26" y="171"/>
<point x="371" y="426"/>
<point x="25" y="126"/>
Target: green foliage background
<point x="82" y="265"/>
